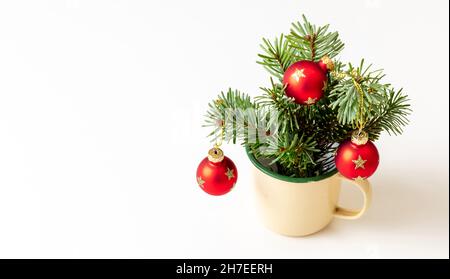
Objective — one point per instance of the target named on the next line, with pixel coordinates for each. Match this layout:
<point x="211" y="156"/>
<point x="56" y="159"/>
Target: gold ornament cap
<point x="215" y="155"/>
<point x="360" y="137"/>
<point x="328" y="62"/>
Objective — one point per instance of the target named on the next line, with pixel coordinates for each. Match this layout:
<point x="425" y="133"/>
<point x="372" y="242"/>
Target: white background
<point x="101" y="106"/>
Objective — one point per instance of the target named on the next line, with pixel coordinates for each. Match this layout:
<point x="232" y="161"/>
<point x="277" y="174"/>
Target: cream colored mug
<point x="302" y="206"/>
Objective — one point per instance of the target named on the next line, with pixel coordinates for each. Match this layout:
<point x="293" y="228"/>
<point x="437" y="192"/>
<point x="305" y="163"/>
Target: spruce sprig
<point x="312" y="42"/>
<point x="277" y="57"/>
<point x="306" y="137"/>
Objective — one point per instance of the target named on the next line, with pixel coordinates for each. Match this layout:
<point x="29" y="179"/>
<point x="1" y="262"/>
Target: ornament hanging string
<point x="361" y="121"/>
<point x="219" y="140"/>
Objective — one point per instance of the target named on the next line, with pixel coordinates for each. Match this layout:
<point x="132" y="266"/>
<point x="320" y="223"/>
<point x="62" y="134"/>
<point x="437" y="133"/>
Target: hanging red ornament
<point x="326" y="64"/>
<point x="305" y="81"/>
<point x="357" y="158"/>
<point x="216" y="174"/>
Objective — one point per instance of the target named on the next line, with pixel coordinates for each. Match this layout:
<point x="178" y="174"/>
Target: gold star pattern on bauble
<point x="200" y="181"/>
<point x="310" y="101"/>
<point x="359" y="163"/>
<point x="229" y="173"/>
<point x="298" y="74"/>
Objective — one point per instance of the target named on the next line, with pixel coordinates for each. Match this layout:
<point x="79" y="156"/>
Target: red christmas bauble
<point x="305" y="82"/>
<point x="216" y="174"/>
<point x="357" y="158"/>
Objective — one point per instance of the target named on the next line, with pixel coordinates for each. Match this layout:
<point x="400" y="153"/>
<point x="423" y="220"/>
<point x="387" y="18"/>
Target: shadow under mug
<point x="302" y="206"/>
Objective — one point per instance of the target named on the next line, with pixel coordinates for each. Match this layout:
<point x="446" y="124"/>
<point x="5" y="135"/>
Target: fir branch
<point x="275" y="98"/>
<point x="391" y="114"/>
<point x="346" y="94"/>
<point x="312" y="43"/>
<point x="295" y="154"/>
<point x="221" y="115"/>
<point x="300" y="140"/>
<point x="277" y="56"/>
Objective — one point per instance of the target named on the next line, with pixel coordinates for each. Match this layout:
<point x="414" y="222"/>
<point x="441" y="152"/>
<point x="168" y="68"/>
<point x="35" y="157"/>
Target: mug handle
<point x="366" y="189"/>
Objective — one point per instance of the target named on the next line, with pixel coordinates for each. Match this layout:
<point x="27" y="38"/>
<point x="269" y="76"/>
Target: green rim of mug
<point x="278" y="176"/>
